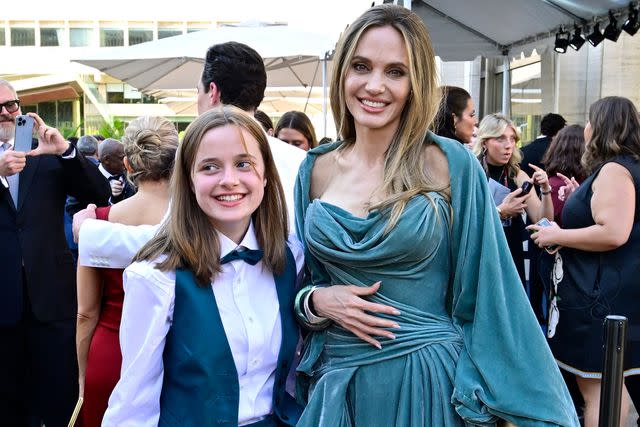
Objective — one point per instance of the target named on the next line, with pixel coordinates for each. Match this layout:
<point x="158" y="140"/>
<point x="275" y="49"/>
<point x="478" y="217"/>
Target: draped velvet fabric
<point x="469" y="350"/>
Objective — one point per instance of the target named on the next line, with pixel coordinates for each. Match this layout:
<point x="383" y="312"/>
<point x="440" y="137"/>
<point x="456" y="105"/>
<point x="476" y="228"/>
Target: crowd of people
<point x="249" y="275"/>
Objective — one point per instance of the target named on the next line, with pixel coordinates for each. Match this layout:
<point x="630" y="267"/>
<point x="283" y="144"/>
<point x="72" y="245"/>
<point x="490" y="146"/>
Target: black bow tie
<point x="114" y="177"/>
<point x="251" y="257"/>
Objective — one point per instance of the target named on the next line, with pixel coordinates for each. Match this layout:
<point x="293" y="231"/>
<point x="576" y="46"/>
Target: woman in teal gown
<point x="454" y="339"/>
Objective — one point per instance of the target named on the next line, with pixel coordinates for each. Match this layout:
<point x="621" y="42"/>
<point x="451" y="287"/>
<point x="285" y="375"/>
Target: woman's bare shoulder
<point x="136" y="211"/>
<point x="323" y="167"/>
<point x="436" y="165"/>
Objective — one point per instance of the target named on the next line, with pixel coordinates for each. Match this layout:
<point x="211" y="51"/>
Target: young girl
<point x="208" y="334"/>
<point x="295" y="128"/>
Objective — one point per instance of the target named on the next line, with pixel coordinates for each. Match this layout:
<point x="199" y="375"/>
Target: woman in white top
<point x="208" y="335"/>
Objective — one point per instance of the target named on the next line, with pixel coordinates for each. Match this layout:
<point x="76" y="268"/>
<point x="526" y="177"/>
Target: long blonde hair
<point x="493" y="126"/>
<point x="404" y="173"/>
<point x="188" y="239"/>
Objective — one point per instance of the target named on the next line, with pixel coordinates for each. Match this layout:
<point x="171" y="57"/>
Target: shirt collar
<point x="249" y="241"/>
<point x="104" y="171"/>
<point x="10" y="142"/>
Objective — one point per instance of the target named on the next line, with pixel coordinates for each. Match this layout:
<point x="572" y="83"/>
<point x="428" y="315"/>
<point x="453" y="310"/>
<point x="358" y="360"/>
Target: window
<point x="115" y="93"/>
<point x="80" y="37"/>
<point x="65" y="114"/>
<point x="51" y="36"/>
<point x="115" y="97"/>
<point x="23" y="37"/>
<point x="137" y="36"/>
<point x="2" y="38"/>
<point x="132" y="95"/>
<point x="29" y="109"/>
<point x="110" y="37"/>
<point x="47" y="110"/>
<point x="164" y="33"/>
<point x="526" y="99"/>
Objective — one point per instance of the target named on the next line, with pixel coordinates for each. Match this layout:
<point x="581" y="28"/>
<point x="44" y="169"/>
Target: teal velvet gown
<point x="469" y="350"/>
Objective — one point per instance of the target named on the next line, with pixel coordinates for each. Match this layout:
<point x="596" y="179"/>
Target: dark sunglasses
<point x="11" y="106"/>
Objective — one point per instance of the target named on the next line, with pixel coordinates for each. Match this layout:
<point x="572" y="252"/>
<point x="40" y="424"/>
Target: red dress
<point x="104" y="359"/>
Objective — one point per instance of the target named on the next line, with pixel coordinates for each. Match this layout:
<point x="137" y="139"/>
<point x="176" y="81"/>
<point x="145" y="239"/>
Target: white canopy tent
<point x="462" y="30"/>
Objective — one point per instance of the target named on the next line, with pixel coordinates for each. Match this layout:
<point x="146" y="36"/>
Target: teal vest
<point x="200" y="386"/>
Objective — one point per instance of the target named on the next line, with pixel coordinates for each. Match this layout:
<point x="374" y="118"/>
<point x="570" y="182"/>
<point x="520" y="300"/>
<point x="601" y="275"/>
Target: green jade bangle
<point x="298" y="307"/>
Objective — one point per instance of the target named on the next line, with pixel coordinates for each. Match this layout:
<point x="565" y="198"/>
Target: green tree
<point x="114" y="129"/>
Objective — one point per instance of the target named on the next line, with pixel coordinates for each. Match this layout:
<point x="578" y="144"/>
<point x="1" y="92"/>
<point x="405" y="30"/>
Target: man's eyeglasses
<point x="11" y="106"/>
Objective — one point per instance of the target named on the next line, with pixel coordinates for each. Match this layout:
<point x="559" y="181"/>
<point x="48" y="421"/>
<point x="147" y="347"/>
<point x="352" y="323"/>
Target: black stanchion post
<point x="612" y="372"/>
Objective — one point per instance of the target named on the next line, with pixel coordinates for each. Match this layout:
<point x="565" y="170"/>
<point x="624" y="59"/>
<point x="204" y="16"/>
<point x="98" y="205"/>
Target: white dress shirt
<point x="248" y="304"/>
<point x="112" y="245"/>
<point x="103" y="171"/>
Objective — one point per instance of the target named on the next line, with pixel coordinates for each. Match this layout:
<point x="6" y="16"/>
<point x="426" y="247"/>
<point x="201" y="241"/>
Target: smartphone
<point x="544" y="222"/>
<point x="24" y="133"/>
<point x="526" y="187"/>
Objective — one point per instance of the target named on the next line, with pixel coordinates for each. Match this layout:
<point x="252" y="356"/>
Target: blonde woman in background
<point x="150" y="145"/>
<point x="500" y="157"/>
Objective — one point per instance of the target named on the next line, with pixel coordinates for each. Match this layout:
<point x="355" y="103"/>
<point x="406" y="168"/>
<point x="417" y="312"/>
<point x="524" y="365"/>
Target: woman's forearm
<point x="595" y="238"/>
<point x="546" y="207"/>
<point x="85" y="327"/>
<point x="89" y="297"/>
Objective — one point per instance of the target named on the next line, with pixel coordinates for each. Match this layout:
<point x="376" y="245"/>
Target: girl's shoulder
<point x="297" y="250"/>
<point x="147" y="271"/>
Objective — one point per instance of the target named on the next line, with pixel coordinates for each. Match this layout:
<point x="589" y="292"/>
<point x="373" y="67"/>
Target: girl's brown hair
<point x="564" y="153"/>
<point x="299" y="121"/>
<point x="188" y="238"/>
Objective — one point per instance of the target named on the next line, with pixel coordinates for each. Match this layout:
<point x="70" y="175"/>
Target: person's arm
<point x="345" y="305"/>
<point x="612" y="208"/>
<point x="537" y="208"/>
<point x="82" y="179"/>
<point x="89" y="296"/>
<point x="107" y="244"/>
<point x="512" y="205"/>
<point x="146" y="319"/>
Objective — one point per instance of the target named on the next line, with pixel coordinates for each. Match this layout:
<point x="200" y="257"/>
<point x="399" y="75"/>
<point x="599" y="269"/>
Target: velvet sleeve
<point x="506" y="370"/>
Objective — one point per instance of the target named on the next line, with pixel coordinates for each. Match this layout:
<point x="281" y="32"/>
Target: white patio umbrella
<point x="275" y="102"/>
<point x="292" y="57"/>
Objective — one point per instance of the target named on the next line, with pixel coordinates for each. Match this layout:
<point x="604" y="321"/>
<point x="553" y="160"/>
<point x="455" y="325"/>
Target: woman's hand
<point x="344" y="305"/>
<point x="513" y="204"/>
<point x="570" y="185"/>
<point x="545" y="236"/>
<point x="540" y="178"/>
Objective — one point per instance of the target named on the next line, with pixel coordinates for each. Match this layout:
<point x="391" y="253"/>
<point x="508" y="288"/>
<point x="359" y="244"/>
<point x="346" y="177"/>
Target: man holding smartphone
<point x="38" y="371"/>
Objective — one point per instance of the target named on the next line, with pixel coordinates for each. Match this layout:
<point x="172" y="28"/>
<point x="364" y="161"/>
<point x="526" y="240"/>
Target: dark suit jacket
<point x="33" y="236"/>
<point x="533" y="153"/>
